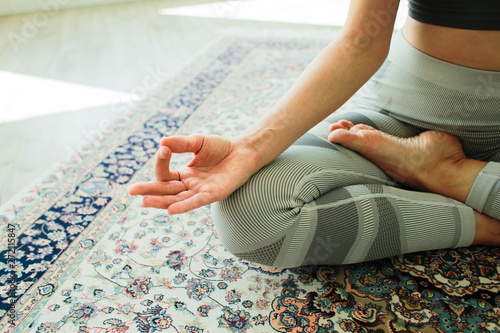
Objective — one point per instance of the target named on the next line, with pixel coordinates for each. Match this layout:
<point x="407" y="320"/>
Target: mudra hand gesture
<point x="219" y="167"/>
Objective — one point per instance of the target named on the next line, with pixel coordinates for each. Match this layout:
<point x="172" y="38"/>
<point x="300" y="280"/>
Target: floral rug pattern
<point x="81" y="255"/>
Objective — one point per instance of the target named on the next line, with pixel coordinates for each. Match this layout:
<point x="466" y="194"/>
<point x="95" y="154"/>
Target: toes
<point x="335" y="126"/>
<point x="352" y="136"/>
<point x="346" y="123"/>
<point x="341" y="124"/>
<point x="349" y="126"/>
<point x="362" y="127"/>
<point x="347" y="139"/>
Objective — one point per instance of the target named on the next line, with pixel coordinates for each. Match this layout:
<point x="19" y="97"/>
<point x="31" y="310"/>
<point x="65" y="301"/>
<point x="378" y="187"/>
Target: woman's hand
<point x="219" y="167"/>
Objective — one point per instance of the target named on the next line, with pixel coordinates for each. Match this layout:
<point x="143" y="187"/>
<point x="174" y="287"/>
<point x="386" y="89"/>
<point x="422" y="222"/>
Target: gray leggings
<point x="320" y="203"/>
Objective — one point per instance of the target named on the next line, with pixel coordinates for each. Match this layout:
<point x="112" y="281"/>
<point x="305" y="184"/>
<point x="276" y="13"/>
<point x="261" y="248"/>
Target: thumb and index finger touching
<point x="183" y="144"/>
<point x="162" y="166"/>
<point x="175" y="144"/>
<point x="163" y="172"/>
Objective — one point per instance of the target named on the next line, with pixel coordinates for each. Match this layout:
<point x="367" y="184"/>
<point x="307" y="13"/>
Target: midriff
<point x="479" y="49"/>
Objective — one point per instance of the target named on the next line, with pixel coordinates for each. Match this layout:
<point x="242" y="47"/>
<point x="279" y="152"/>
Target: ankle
<point x="452" y="178"/>
<point x="487" y="230"/>
<point x="435" y="179"/>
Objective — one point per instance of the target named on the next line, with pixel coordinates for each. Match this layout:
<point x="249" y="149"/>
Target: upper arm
<point x="370" y="24"/>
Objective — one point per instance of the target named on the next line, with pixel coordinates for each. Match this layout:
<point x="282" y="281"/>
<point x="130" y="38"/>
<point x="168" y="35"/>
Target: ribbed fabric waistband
<point x="458" y="78"/>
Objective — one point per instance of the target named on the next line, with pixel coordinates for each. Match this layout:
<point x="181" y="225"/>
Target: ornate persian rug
<point x="80" y="255"/>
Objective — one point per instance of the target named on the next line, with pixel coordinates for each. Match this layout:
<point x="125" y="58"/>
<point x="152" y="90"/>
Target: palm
<point x="218" y="168"/>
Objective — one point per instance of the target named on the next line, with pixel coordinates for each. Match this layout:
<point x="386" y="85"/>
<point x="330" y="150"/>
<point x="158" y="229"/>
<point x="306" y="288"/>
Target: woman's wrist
<point x="262" y="145"/>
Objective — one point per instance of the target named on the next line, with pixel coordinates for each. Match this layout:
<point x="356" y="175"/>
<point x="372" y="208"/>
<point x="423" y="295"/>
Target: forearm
<point x="327" y="83"/>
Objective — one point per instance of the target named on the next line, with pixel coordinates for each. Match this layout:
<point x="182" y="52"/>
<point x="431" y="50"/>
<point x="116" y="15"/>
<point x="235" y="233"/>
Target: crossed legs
<point x="432" y="162"/>
<point x="320" y="203"/>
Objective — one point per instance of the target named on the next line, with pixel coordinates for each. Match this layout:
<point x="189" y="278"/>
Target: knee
<point x="247" y="231"/>
<point x="256" y="221"/>
<point x="259" y="221"/>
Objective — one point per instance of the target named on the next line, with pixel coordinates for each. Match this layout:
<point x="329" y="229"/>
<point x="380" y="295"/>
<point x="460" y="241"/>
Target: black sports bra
<point x="464" y="14"/>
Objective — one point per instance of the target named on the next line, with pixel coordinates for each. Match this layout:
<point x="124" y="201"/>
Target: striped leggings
<point x="320" y="203"/>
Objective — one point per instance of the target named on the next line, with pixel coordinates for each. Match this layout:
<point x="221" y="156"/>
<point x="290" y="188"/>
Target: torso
<point x="469" y="48"/>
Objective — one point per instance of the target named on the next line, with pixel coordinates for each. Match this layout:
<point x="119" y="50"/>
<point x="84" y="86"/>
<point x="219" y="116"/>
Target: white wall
<point x="9" y="7"/>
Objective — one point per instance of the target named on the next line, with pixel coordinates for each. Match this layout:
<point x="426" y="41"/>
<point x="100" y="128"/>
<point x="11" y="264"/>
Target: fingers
<point x="196" y="201"/>
<point x="183" y="144"/>
<point x="177" y="204"/>
<point x="182" y="202"/>
<point x="161" y="202"/>
<point x="162" y="166"/>
<point x="182" y="195"/>
<point x="172" y="196"/>
<point x="157" y="188"/>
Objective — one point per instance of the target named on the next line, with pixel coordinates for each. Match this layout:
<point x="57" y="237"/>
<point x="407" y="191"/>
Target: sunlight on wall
<point x="25" y="96"/>
<point x="320" y="12"/>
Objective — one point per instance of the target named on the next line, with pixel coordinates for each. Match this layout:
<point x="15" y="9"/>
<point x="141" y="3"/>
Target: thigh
<point x="370" y="221"/>
<point x="322" y="204"/>
<point x="271" y="219"/>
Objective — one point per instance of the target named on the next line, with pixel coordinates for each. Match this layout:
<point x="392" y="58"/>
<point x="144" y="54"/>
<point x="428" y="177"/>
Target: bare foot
<point x="425" y="162"/>
<point x="432" y="161"/>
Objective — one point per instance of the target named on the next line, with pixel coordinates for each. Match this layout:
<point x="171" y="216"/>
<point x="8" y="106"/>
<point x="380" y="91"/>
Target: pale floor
<point x="62" y="75"/>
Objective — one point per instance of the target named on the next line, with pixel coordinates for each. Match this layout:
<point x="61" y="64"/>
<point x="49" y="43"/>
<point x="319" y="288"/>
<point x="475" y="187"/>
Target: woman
<point x="427" y="126"/>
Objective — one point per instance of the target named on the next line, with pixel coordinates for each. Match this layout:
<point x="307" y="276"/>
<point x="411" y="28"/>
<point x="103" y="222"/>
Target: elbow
<point x="366" y="43"/>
